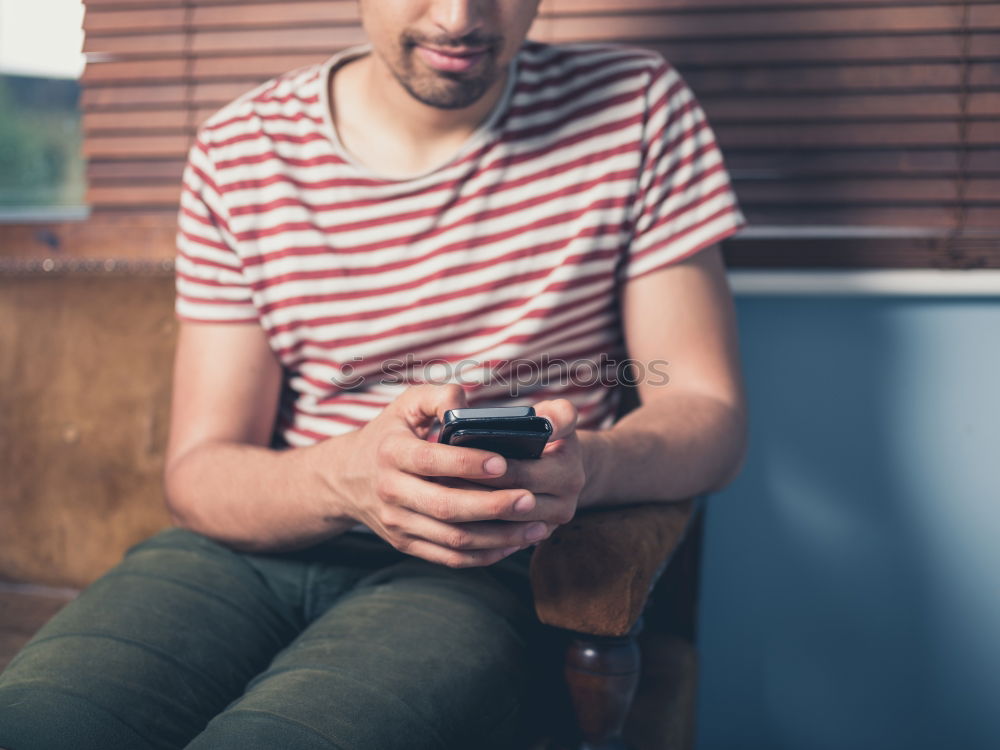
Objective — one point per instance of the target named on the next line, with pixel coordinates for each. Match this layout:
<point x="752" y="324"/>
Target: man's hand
<point x="557" y="479"/>
<point x="428" y="499"/>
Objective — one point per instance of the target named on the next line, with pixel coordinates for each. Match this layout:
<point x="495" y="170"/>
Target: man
<point x="450" y="193"/>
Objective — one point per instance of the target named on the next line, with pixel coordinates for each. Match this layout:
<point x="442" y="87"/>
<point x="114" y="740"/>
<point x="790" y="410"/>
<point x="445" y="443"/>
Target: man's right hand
<point x="396" y="482"/>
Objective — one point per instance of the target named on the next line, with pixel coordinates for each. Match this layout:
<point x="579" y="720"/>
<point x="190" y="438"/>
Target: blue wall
<point x="851" y="580"/>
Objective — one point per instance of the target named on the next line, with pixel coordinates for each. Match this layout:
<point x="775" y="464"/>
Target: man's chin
<point x="449" y="92"/>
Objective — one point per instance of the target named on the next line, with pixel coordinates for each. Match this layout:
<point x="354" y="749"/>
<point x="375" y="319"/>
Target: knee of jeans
<point x="177" y="538"/>
<point x="176" y="549"/>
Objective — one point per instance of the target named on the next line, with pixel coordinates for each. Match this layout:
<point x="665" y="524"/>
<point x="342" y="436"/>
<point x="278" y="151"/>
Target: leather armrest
<point x="594" y="574"/>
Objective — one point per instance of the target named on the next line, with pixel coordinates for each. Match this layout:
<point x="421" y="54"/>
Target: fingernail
<point x="524" y="504"/>
<point x="495" y="465"/>
<point x="510" y="551"/>
<point x="535" y="532"/>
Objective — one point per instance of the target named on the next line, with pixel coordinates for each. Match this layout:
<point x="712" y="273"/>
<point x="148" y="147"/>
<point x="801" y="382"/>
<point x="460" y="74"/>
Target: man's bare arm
<point x="224" y="482"/>
<point x="221" y="479"/>
<point x="689" y="435"/>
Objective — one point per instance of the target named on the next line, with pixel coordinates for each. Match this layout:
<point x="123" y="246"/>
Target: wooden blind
<point x="858" y="132"/>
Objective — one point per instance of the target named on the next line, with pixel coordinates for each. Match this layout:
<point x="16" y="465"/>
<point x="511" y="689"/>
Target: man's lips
<point x="452" y="60"/>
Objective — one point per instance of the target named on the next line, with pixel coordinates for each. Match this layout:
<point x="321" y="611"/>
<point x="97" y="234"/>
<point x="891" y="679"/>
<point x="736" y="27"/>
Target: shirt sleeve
<point x="685" y="202"/>
<point x="210" y="281"/>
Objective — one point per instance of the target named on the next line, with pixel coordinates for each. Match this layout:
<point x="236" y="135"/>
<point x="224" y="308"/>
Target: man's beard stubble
<point x="442" y="89"/>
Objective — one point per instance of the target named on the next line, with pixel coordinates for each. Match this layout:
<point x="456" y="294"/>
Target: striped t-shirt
<point x="596" y="166"/>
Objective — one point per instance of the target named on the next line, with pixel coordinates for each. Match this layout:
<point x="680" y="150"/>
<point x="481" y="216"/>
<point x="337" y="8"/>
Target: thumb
<point x="561" y="413"/>
<point x="420" y="405"/>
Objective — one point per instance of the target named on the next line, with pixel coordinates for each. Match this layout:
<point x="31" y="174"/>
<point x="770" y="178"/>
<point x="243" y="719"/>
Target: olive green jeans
<point x="349" y="644"/>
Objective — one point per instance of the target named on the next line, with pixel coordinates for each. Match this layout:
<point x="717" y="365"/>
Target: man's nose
<point x="457" y="18"/>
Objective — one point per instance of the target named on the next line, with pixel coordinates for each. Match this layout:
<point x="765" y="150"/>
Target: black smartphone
<point x="511" y="431"/>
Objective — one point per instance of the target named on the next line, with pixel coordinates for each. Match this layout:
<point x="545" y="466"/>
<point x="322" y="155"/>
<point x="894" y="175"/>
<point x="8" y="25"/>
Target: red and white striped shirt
<point x="596" y="166"/>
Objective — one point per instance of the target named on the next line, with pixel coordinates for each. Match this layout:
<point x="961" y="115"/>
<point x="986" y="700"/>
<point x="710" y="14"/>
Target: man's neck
<point x="381" y="125"/>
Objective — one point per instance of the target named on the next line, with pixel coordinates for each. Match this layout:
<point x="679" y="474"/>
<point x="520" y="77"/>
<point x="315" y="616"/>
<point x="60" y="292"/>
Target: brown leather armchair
<point x="83" y="478"/>
<point x="592" y="580"/>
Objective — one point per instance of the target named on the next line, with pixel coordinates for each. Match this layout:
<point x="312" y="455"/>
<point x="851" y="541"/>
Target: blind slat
<point x="135" y="171"/>
<point x="137" y="120"/>
<point x="135" y="145"/>
<point x="784" y="164"/>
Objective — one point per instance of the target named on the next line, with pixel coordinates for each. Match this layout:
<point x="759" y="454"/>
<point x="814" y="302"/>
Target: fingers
<point x="458" y="545"/>
<point x="561" y="413"/>
<point x="432" y="500"/>
<point x="548" y="508"/>
<point x="419" y="405"/>
<point x="464" y="537"/>
<point x="452" y="504"/>
<point x="408" y="453"/>
<point x="555" y="472"/>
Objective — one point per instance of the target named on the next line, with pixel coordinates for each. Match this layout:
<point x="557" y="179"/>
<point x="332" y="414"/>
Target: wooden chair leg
<point x="602" y="675"/>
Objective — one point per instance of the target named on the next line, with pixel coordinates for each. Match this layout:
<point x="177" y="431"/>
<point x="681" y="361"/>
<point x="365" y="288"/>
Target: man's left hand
<point x="558" y="477"/>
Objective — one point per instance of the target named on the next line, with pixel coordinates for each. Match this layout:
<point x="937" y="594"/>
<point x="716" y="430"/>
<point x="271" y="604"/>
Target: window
<point x="41" y="146"/>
